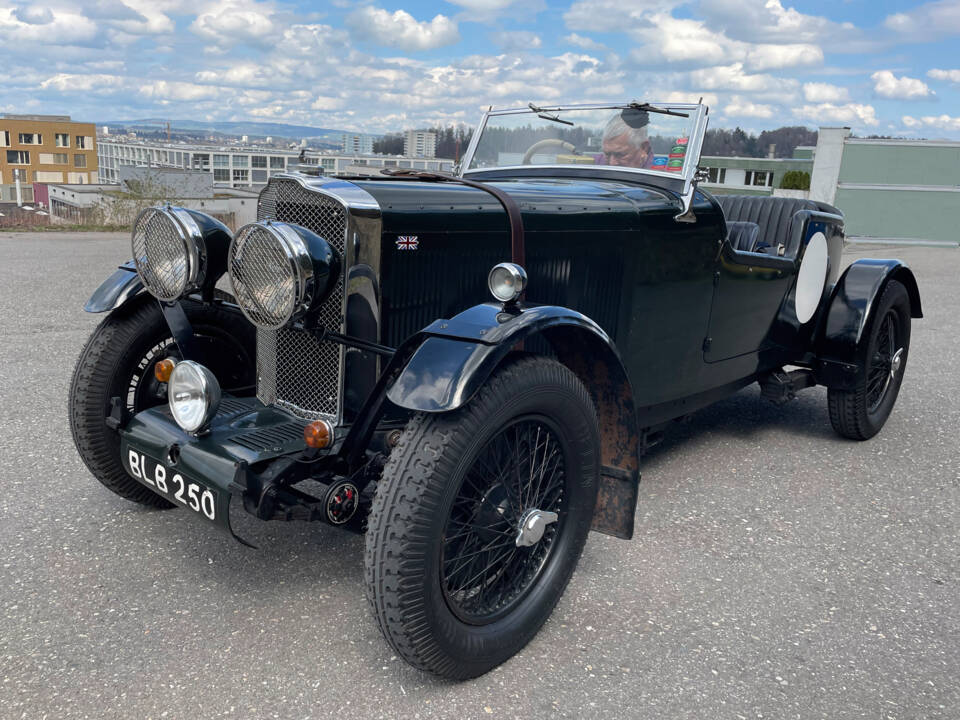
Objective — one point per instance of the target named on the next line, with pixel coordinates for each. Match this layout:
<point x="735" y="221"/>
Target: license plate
<point x="174" y="486"/>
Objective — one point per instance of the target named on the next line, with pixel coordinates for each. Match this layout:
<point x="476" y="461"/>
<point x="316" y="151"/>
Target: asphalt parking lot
<point x="776" y="571"/>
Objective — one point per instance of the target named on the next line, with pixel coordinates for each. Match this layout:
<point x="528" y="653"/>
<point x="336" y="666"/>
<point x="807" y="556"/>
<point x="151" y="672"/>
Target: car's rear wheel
<point x="118" y="361"/>
<point x="860" y="413"/>
<point x="480" y="519"/>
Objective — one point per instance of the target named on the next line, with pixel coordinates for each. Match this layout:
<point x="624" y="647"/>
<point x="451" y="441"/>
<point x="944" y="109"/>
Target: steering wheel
<point x="541" y="144"/>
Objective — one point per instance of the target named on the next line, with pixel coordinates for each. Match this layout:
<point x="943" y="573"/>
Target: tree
<point x="795" y="180"/>
<point x="389" y="144"/>
<point x="739" y="143"/>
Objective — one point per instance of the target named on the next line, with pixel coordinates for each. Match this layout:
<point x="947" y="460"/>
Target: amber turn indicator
<point x="163" y="369"/>
<point x="318" y="434"/>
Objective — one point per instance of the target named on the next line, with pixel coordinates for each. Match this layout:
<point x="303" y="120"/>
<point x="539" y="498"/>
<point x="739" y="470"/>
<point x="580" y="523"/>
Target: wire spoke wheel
<point x="859" y="412"/>
<point x="480" y="517"/>
<point x="504" y="521"/>
<point x="883" y="364"/>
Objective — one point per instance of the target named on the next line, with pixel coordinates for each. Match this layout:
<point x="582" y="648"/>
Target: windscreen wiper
<point x="647" y="107"/>
<point x="541" y="113"/>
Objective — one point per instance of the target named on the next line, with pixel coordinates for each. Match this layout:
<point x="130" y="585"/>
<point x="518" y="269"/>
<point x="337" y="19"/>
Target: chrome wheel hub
<point x="895" y="362"/>
<point x="533" y="523"/>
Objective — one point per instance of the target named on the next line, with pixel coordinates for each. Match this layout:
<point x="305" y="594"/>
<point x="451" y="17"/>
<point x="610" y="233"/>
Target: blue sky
<point x="880" y="67"/>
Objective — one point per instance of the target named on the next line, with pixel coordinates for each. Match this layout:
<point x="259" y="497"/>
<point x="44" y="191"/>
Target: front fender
<point x="849" y="310"/>
<point x="113" y="292"/>
<point x="459" y="354"/>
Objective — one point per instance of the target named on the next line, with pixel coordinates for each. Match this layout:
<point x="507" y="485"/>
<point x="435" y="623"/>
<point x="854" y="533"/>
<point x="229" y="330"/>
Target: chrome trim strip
<point x="352" y="196"/>
<point x="196" y="250"/>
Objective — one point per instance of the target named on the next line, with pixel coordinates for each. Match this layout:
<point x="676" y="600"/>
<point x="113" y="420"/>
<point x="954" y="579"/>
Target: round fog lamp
<point x="506" y="281"/>
<point x="193" y="394"/>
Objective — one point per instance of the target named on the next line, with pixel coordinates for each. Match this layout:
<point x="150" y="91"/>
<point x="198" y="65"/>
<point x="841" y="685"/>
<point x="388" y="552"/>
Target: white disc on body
<point x="812" y="277"/>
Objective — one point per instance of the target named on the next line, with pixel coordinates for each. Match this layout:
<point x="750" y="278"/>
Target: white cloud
<point x="927" y="22"/>
<point x="940" y="122"/>
<point x="322" y="102"/>
<point x="821" y="92"/>
<point x="517" y="40"/>
<point x="32" y="15"/>
<point x="852" y="113"/>
<point x="245" y="74"/>
<point x="613" y="15"/>
<point x="488" y="10"/>
<point x="46" y="28"/>
<point x="144" y="19"/>
<point x="227" y="22"/>
<point x="774" y="57"/>
<point x="164" y="90"/>
<point x="732" y="77"/>
<point x="739" y="107"/>
<point x="888" y="85"/>
<point x="948" y="75"/>
<point x="708" y="99"/>
<point x="769" y="20"/>
<point x="94" y="83"/>
<point x="582" y="41"/>
<point x="664" y="39"/>
<point x="401" y="30"/>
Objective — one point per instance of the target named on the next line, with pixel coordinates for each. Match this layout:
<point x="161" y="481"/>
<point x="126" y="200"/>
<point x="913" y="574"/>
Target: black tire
<point x="118" y="360"/>
<point x="860" y="413"/>
<point x="411" y="557"/>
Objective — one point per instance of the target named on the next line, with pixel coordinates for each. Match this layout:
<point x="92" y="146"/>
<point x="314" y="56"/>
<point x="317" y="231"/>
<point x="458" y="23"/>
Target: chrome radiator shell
<point x="295" y="369"/>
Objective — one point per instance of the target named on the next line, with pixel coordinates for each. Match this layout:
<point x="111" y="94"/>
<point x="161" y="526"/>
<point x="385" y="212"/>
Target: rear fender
<point x="113" y="292"/>
<point x="849" y="311"/>
<point x="458" y="356"/>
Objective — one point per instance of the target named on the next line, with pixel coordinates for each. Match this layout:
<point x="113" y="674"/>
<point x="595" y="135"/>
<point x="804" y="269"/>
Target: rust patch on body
<point x="619" y="440"/>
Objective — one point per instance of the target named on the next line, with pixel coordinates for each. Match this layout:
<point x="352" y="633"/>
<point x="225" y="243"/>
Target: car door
<point x="749" y="289"/>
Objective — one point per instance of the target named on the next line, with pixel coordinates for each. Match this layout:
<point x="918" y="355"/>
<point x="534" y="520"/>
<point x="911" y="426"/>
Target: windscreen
<point x="613" y="137"/>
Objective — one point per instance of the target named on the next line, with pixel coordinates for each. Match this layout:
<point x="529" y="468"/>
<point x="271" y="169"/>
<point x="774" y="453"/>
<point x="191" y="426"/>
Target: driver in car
<point x="625" y="140"/>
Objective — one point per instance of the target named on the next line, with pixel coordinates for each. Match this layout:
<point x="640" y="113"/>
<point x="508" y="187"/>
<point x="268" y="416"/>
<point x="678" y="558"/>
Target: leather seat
<point x="773" y="215"/>
<point x="743" y="236"/>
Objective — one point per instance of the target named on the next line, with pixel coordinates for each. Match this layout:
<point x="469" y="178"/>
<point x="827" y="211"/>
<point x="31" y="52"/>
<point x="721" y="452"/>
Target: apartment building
<point x="420" y="143"/>
<point x="356" y="144"/>
<point x="44" y="149"/>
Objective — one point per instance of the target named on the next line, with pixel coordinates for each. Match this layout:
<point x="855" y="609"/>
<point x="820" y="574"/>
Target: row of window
<point x="761" y="178"/>
<point x="758" y="177"/>
<point x="61" y="140"/>
<point x="22" y="157"/>
<point x="239" y="161"/>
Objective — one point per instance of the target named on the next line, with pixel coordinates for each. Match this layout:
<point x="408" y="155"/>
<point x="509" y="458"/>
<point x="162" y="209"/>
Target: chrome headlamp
<point x="193" y="394"/>
<point x="177" y="250"/>
<point x="280" y="271"/>
<point x="507" y="281"/>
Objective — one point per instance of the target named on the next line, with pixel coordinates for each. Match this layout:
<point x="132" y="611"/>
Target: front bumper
<point x="244" y="433"/>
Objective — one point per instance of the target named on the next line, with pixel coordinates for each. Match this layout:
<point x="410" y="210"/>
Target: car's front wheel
<point x="480" y="519"/>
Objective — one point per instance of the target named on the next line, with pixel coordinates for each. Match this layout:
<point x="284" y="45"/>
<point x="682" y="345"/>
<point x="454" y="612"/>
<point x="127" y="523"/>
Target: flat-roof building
<point x="44" y="149"/>
<point x="356" y="144"/>
<point x="420" y="143"/>
<point x="241" y="166"/>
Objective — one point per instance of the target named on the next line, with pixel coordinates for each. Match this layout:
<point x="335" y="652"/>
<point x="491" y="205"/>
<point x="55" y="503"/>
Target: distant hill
<point x="254" y="129"/>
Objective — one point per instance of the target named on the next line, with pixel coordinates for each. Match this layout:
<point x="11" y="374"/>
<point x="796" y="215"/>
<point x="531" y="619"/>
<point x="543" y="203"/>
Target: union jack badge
<point x="407" y="242"/>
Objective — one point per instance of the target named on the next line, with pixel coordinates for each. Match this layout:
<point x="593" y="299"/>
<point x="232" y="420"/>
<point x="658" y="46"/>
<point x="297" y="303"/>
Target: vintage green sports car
<point x="469" y="368"/>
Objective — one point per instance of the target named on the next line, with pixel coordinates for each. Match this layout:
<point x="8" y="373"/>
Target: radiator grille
<point x="294" y="369"/>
